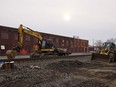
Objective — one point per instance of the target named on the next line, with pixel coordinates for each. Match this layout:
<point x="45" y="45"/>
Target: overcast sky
<point x="88" y="19"/>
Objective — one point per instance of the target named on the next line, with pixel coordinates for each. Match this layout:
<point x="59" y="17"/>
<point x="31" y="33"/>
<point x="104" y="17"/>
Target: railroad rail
<point x="43" y="58"/>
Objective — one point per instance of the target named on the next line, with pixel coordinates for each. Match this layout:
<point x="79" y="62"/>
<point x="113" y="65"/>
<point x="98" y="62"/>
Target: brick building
<point x="9" y="39"/>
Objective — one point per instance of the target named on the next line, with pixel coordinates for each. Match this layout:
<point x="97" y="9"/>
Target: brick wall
<point x="9" y="39"/>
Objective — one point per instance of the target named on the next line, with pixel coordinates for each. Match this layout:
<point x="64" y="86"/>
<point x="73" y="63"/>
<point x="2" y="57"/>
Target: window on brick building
<point x="62" y="40"/>
<point x="71" y="42"/>
<point x="4" y="35"/>
<point x="35" y="40"/>
<point x="16" y="36"/>
<point x="62" y="44"/>
<point x="57" y="40"/>
<point x="67" y="43"/>
<point x="27" y="38"/>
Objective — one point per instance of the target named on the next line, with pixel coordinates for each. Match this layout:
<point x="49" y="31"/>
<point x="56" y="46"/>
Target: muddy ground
<point x="76" y="72"/>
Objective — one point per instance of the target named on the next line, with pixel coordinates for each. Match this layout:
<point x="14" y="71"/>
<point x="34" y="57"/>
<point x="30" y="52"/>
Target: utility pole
<point x="93" y="45"/>
<point x="93" y="42"/>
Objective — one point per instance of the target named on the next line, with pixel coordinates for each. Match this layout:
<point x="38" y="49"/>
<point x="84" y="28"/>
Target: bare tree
<point x="98" y="44"/>
<point x="113" y="40"/>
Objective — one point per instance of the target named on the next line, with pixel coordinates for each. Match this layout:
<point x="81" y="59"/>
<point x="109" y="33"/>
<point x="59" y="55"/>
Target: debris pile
<point x="59" y="73"/>
<point x="65" y="65"/>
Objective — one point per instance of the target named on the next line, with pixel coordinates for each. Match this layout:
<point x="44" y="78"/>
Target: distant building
<point x="9" y="39"/>
<point x="91" y="48"/>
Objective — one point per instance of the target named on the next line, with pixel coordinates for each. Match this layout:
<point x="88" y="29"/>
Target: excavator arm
<point x="21" y="30"/>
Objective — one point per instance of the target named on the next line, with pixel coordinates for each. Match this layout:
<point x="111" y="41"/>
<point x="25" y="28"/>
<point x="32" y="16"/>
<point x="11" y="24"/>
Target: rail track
<point x="44" y="58"/>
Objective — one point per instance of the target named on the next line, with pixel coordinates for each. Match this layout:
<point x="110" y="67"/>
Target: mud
<point x="79" y="72"/>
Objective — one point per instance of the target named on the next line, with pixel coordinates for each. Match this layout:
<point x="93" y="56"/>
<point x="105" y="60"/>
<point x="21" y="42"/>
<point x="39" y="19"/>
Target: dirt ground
<point x="76" y="72"/>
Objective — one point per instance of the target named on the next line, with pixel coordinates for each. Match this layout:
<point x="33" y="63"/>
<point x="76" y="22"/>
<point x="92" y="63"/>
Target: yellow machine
<point x="44" y="46"/>
<point x="108" y="52"/>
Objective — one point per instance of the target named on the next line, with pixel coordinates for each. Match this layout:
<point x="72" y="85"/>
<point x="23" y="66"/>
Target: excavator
<point x="107" y="53"/>
<point x="43" y="47"/>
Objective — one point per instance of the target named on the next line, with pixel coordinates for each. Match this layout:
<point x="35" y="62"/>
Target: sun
<point x="67" y="17"/>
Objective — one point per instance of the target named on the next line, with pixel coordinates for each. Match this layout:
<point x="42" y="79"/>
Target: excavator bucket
<point x="100" y="57"/>
<point x="107" y="53"/>
<point x="10" y="54"/>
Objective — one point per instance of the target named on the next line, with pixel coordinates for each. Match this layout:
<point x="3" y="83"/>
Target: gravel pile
<point x="65" y="66"/>
<point x="61" y="73"/>
<point x="91" y="83"/>
<point x="70" y="66"/>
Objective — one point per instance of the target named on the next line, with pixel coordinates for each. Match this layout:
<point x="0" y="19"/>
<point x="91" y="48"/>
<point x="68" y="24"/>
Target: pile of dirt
<point x="27" y="77"/>
<point x="88" y="83"/>
<point x="91" y="83"/>
<point x="65" y="65"/>
<point x="59" y="73"/>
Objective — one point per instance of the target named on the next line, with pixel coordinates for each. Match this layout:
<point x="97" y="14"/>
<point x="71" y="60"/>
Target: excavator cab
<point x="107" y="52"/>
<point x="47" y="46"/>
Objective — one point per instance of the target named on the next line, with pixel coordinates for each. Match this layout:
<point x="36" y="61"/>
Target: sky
<point x="88" y="19"/>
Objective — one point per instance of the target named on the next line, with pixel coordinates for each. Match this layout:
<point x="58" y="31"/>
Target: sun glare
<point x="67" y="17"/>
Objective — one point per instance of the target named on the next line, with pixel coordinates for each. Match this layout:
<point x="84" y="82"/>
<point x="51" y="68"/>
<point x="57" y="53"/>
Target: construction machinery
<point x="43" y="47"/>
<point x="107" y="52"/>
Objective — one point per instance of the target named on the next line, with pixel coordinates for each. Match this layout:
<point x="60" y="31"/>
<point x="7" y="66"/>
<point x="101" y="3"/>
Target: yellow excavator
<point x="107" y="52"/>
<point x="43" y="47"/>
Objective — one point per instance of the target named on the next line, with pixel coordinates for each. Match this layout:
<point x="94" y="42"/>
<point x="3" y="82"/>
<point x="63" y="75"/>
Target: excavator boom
<point x="44" y="46"/>
<point x="21" y="30"/>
